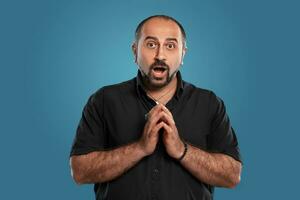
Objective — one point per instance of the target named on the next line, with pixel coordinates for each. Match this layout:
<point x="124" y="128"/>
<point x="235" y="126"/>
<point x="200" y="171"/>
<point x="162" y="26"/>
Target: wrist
<point x="184" y="151"/>
<point x="140" y="149"/>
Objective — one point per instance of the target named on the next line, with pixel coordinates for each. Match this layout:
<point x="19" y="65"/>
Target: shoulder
<point x="113" y="91"/>
<point x="202" y="96"/>
<point x="205" y="99"/>
<point x="198" y="92"/>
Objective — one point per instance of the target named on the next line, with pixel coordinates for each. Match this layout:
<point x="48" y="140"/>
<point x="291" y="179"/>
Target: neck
<point x="164" y="94"/>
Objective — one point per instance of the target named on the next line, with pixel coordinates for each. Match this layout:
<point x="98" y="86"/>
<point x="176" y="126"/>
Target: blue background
<point x="55" y="54"/>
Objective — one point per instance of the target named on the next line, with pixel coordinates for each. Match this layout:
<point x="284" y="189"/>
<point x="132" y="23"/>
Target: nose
<point x="160" y="54"/>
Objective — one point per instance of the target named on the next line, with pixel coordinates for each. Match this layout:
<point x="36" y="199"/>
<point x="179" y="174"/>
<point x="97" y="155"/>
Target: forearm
<point x="212" y="168"/>
<point x="102" y="166"/>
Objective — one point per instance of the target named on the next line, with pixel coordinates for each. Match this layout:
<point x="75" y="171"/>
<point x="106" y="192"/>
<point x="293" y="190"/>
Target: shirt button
<point x="155" y="174"/>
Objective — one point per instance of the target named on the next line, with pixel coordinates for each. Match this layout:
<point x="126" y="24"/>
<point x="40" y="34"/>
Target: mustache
<point x="159" y="63"/>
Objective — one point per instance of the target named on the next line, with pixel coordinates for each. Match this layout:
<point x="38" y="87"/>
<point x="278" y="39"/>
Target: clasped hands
<point x="158" y="118"/>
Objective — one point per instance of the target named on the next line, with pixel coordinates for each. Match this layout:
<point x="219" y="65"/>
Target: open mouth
<point x="159" y="72"/>
<point x="159" y="69"/>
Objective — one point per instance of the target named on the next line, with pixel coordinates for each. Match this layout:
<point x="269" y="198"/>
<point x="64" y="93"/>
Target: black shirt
<point x="115" y="116"/>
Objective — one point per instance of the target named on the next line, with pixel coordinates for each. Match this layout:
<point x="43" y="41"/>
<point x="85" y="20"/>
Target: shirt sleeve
<point x="90" y="134"/>
<point x="222" y="138"/>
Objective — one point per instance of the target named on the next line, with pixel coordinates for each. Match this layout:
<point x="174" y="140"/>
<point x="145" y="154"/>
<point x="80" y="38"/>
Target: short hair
<point x="141" y="24"/>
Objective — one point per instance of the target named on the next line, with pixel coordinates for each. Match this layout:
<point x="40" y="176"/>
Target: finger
<point x="162" y="116"/>
<point x="154" y="110"/>
<point x="168" y="131"/>
<point x="156" y="128"/>
<point x="168" y="119"/>
<point x="154" y="120"/>
<point x="167" y="111"/>
<point x="167" y="128"/>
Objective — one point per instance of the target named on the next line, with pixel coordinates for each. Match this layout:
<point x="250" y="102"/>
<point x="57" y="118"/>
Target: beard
<point x="152" y="82"/>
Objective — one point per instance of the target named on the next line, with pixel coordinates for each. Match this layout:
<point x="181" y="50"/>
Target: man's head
<point x="159" y="48"/>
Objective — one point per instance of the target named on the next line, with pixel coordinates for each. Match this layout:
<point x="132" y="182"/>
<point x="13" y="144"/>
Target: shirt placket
<point x="156" y="171"/>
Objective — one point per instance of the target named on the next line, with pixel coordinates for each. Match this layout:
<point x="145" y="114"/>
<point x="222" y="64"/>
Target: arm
<point x="212" y="168"/>
<point x="102" y="166"/>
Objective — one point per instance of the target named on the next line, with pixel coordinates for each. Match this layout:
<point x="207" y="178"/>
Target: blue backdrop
<point x="55" y="54"/>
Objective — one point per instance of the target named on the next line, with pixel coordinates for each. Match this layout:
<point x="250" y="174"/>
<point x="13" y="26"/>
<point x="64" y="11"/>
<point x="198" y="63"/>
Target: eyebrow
<point x="155" y="38"/>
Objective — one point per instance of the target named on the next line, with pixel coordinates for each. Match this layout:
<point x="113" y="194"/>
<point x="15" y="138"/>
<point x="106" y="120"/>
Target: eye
<point x="171" y="46"/>
<point x="151" y="45"/>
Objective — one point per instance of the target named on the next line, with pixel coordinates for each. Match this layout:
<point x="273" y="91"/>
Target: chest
<point x="125" y="122"/>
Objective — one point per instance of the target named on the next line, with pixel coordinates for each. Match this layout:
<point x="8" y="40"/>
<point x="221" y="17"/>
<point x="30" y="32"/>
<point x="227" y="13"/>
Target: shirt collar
<point x="140" y="86"/>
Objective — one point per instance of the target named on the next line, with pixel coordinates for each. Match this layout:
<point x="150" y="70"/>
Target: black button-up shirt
<point x="115" y="116"/>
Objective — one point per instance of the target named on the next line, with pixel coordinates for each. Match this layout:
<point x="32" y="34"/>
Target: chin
<point x="158" y="83"/>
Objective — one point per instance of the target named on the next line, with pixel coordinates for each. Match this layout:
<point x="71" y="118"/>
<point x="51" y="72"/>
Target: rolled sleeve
<point x="90" y="134"/>
<point x="222" y="138"/>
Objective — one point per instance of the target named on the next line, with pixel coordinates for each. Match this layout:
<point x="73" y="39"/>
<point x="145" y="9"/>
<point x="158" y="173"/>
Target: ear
<point x="184" y="49"/>
<point x="134" y="50"/>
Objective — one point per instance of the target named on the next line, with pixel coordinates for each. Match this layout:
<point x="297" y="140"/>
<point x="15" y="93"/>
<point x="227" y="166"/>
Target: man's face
<point x="159" y="51"/>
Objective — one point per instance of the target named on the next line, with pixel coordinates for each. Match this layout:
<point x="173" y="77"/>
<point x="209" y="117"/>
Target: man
<point x="156" y="136"/>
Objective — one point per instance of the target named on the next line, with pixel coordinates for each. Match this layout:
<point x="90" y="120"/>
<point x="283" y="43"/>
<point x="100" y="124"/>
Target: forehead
<point x="161" y="28"/>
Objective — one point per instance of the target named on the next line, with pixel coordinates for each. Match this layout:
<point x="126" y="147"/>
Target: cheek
<point x="175" y="60"/>
<point x="141" y="60"/>
<point x="145" y="58"/>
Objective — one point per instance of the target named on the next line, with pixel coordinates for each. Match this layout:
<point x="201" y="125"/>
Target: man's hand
<point x="160" y="117"/>
<point x="150" y="135"/>
<point x="171" y="139"/>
